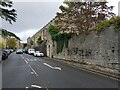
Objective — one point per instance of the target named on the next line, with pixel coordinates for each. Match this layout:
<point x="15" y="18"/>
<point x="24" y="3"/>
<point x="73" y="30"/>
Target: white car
<point x="38" y="53"/>
<point x="31" y="51"/>
<point x="19" y="51"/>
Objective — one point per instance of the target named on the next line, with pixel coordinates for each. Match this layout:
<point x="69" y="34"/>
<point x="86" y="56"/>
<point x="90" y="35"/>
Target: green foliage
<point x="60" y="38"/>
<point x="114" y="21"/>
<point x="11" y="43"/>
<point x="2" y="45"/>
<point x="102" y="25"/>
<point x="39" y="40"/>
<point x="7" y="12"/>
<point x="31" y="42"/>
<point x="24" y="45"/>
<point x="62" y="8"/>
<point x="60" y="45"/>
<point x="53" y="30"/>
<point x="6" y="34"/>
<point x="77" y="17"/>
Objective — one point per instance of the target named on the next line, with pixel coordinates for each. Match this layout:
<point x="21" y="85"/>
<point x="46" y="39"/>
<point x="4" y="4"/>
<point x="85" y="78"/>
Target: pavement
<point x="27" y="71"/>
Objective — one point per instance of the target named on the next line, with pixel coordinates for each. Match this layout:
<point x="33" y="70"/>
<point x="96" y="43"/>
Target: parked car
<point x="31" y="51"/>
<point x="3" y="54"/>
<point x="38" y="53"/>
<point x="19" y="51"/>
<point x="7" y="50"/>
<point x="11" y="50"/>
<point x="25" y="51"/>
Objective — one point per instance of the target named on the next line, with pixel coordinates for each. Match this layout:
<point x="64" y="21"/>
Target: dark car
<point x="3" y="54"/>
<point x="7" y="50"/>
<point x="26" y="51"/>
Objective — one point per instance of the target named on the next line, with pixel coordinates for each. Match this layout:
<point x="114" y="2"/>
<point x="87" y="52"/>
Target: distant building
<point x="17" y="44"/>
<point x="47" y="44"/>
<point x="28" y="42"/>
<point x="2" y="41"/>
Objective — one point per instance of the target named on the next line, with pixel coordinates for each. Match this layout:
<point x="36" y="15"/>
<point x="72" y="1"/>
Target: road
<point x="27" y="71"/>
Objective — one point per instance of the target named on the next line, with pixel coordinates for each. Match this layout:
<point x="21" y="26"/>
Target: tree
<point x="81" y="17"/>
<point x="11" y="43"/>
<point x="24" y="45"/>
<point x="6" y="11"/>
<point x="2" y="45"/>
<point x="7" y="34"/>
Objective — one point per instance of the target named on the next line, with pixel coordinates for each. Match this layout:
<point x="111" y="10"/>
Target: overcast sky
<point x="32" y="15"/>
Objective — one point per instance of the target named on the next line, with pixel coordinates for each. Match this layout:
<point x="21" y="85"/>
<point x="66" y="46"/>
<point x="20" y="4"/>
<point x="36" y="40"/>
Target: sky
<point x="32" y="15"/>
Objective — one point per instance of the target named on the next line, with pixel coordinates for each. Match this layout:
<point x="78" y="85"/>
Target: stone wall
<point x="46" y="46"/>
<point x="93" y="49"/>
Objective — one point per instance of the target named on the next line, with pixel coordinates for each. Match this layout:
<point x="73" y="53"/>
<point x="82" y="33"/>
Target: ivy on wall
<point x="39" y="41"/>
<point x="61" y="39"/>
<point x="114" y="21"/>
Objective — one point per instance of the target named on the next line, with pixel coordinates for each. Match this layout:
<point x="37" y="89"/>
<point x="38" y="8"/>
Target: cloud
<point x="115" y="4"/>
<point x="26" y="33"/>
<point x="31" y="15"/>
<point x="37" y="0"/>
<point x="34" y="14"/>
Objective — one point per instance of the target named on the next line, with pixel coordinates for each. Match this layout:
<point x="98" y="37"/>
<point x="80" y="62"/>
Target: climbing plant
<point x="39" y="40"/>
<point x="114" y="21"/>
<point x="31" y="42"/>
<point x="61" y="39"/>
<point x="53" y="32"/>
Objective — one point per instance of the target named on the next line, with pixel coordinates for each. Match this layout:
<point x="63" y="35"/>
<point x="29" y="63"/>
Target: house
<point x="47" y="44"/>
<point x="2" y="41"/>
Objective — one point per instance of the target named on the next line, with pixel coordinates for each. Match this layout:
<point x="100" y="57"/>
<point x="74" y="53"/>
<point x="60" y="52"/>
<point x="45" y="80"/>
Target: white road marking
<point x="33" y="70"/>
<point x="23" y="58"/>
<point x="26" y="87"/>
<point x="25" y="61"/>
<point x="47" y="65"/>
<point x="58" y="68"/>
<point x="36" y="86"/>
<point x="52" y="66"/>
<point x="35" y="59"/>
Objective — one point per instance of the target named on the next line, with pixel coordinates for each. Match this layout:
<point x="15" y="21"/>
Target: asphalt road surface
<point x="27" y="71"/>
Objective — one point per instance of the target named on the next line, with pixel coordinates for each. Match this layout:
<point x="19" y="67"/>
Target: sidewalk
<point x="106" y="72"/>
